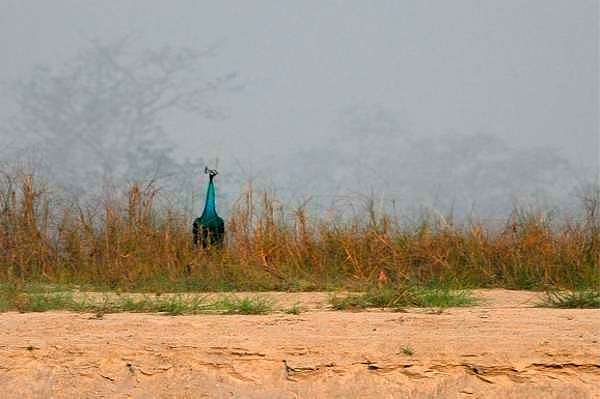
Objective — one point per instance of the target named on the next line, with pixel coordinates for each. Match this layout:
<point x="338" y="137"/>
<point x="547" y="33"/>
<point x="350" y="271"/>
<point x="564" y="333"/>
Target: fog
<point x="467" y="106"/>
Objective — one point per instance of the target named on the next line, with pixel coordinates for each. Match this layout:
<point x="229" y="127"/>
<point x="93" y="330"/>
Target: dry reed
<point x="134" y="244"/>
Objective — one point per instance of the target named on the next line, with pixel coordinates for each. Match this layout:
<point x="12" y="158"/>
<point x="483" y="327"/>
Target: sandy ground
<point x="502" y="348"/>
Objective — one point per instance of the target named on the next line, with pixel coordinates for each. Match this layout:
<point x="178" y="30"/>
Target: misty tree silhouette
<point x="375" y="155"/>
<point x="100" y="114"/>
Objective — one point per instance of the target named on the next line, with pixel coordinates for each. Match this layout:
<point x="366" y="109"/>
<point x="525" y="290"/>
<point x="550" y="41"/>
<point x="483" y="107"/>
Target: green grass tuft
<point x="407" y="350"/>
<point x="403" y="296"/>
<point x="246" y="305"/>
<point x="35" y="300"/>
<point x="295" y="309"/>
<point x="580" y="299"/>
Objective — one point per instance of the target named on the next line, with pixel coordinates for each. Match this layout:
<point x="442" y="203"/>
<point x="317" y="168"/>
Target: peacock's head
<point x="210" y="172"/>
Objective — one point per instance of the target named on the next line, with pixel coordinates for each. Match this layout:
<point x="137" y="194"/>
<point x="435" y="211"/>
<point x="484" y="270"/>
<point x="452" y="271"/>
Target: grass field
<point x="135" y="245"/>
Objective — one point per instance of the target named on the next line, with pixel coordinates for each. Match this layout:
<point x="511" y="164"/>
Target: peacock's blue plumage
<point x="209" y="228"/>
<point x="210" y="207"/>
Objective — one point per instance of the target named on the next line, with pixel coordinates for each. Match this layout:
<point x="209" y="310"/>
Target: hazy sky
<point x="524" y="70"/>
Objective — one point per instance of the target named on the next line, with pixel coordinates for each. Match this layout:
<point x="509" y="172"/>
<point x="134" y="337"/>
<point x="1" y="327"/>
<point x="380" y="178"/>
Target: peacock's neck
<point x="210" y="208"/>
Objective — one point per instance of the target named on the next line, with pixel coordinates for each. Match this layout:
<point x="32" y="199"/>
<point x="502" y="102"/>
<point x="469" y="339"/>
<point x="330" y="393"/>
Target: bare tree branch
<point x="101" y="112"/>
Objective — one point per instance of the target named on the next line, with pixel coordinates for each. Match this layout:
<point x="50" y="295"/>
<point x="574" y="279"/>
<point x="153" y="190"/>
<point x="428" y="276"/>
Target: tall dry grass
<point x="135" y="244"/>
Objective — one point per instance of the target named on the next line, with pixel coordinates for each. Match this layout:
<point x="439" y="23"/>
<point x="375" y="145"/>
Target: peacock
<point x="209" y="229"/>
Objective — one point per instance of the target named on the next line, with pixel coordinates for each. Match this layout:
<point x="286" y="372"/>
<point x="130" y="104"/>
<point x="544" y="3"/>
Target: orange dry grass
<point x="134" y="244"/>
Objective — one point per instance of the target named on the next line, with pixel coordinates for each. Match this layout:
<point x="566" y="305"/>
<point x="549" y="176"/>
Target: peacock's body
<point x="209" y="229"/>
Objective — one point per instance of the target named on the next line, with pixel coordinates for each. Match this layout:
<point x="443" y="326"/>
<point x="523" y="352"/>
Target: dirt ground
<point x="503" y="347"/>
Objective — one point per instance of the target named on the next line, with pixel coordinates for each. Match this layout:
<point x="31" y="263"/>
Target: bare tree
<point x="459" y="173"/>
<point x="100" y="115"/>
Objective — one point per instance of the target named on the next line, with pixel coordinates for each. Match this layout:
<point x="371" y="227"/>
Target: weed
<point x="444" y="298"/>
<point x="583" y="299"/>
<point x="349" y="302"/>
<point x="170" y="304"/>
<point x="294" y="309"/>
<point x="401" y="296"/>
<point x="407" y="350"/>
<point x="176" y="305"/>
<point x="246" y="305"/>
